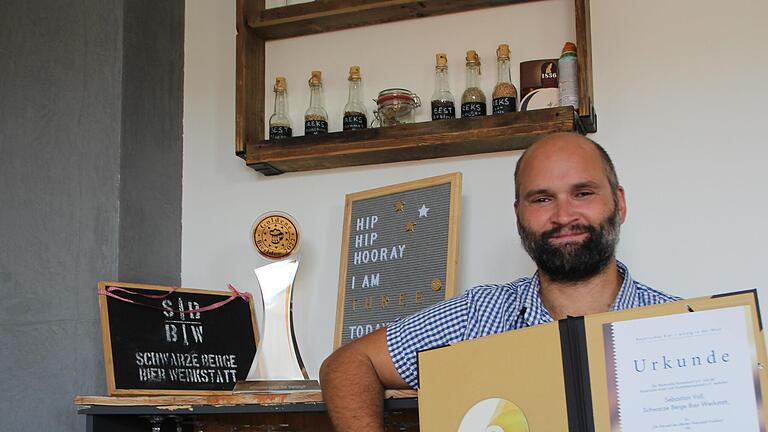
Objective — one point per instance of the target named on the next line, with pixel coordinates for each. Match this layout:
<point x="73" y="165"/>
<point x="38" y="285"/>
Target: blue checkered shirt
<point x="486" y="310"/>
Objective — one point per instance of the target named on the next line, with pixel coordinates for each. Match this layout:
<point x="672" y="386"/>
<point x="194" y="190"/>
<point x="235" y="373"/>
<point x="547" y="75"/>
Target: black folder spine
<point x="578" y="392"/>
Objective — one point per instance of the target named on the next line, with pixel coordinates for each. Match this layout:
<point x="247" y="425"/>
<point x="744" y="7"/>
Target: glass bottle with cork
<point x="279" y="121"/>
<point x="473" y="98"/>
<point x="505" y="93"/>
<point x="355" y="114"/>
<point x="315" y="118"/>
<point x="442" y="100"/>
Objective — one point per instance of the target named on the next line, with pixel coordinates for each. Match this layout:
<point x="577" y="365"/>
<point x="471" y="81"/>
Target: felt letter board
<point x="398" y="254"/>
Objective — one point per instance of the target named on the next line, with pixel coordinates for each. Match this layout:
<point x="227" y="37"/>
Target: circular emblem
<point x="437" y="284"/>
<point x="275" y="235"/>
<point x="494" y="415"/>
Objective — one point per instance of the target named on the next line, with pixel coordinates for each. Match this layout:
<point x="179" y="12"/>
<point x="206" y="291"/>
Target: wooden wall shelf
<point x="322" y="16"/>
<point x="427" y="140"/>
<point x="417" y="141"/>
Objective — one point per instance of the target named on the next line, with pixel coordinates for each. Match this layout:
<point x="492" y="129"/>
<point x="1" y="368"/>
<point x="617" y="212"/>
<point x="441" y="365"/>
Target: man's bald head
<point x="569" y="138"/>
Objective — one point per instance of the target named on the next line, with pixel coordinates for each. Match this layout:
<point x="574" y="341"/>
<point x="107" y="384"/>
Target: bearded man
<point x="569" y="207"/>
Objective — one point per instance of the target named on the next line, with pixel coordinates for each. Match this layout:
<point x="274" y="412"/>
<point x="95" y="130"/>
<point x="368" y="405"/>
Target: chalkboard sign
<point x="163" y="340"/>
<point x="398" y="253"/>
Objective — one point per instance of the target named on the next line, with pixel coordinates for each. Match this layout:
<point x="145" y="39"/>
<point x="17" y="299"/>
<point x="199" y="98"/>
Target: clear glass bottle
<point x="443" y="106"/>
<point x="473" y="98"/>
<point x="355" y="114"/>
<point x="316" y="117"/>
<point x="280" y="122"/>
<point x="505" y="93"/>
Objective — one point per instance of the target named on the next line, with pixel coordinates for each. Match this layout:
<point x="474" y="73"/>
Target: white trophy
<point x="278" y="366"/>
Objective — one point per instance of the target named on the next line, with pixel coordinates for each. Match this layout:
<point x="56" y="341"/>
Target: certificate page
<point x="686" y="372"/>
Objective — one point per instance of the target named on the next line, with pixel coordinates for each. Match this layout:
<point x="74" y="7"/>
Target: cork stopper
<point x="441" y="59"/>
<point x="354" y="73"/>
<point x="569" y="47"/>
<point x="316" y="78"/>
<point x="502" y="52"/>
<point x="280" y="84"/>
<point x="472" y="57"/>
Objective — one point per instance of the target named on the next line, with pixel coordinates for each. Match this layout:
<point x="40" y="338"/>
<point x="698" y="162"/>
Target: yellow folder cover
<point x="688" y="365"/>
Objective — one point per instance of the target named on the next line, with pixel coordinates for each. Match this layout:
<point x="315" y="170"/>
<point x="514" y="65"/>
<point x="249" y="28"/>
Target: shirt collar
<point x="536" y="313"/>
<point x="627" y="296"/>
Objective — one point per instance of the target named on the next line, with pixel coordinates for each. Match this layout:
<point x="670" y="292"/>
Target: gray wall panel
<point x="151" y="142"/>
<point x="60" y="118"/>
<point x="63" y="106"/>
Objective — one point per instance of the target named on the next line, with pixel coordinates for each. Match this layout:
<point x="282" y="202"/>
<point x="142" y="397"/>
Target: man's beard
<point x="573" y="262"/>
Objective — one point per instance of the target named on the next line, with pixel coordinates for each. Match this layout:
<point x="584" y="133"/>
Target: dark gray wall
<point x="74" y="211"/>
<point x="150" y="166"/>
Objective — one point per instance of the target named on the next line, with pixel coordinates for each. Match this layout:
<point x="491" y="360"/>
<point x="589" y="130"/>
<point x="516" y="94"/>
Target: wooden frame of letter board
<point x="453" y="235"/>
<point x="107" y="340"/>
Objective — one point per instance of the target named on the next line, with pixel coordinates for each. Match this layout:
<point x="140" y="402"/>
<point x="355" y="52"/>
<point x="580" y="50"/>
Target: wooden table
<point x="301" y="411"/>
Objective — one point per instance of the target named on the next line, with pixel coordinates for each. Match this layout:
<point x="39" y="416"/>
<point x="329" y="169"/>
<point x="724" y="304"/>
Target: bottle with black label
<point x="443" y="106"/>
<point x="280" y="122"/>
<point x="473" y="98"/>
<point x="505" y="93"/>
<point x="355" y="114"/>
<point x="315" y="118"/>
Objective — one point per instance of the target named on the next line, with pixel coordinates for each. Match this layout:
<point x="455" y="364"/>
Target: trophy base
<point x="276" y="386"/>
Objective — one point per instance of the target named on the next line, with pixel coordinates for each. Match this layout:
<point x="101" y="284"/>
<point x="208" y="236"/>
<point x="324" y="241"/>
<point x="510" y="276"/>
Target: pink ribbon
<point x="110" y="292"/>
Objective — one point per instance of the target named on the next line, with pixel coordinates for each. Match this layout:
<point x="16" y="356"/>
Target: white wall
<point x="679" y="87"/>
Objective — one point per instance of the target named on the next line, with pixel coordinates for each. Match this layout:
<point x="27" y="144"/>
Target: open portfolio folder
<point x="690" y="365"/>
